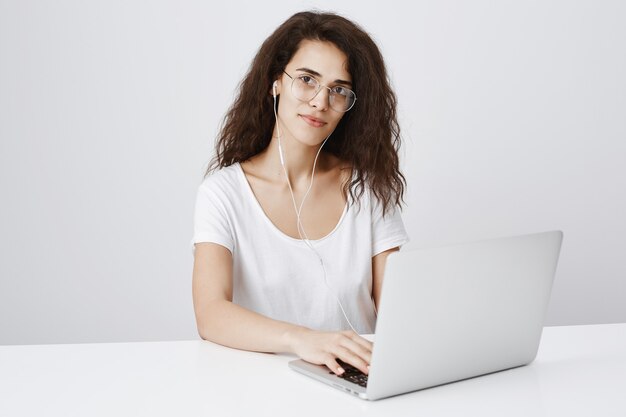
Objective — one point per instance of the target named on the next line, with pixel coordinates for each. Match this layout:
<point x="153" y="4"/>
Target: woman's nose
<point x="321" y="99"/>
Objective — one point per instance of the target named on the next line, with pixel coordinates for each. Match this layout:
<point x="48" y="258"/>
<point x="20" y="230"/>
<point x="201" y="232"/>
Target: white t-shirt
<point x="281" y="277"/>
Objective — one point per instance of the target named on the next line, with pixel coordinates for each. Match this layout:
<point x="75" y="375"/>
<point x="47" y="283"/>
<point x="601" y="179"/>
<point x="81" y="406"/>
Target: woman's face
<point x="310" y="122"/>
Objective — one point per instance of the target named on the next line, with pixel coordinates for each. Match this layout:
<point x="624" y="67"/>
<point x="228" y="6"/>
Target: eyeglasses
<point x="305" y="88"/>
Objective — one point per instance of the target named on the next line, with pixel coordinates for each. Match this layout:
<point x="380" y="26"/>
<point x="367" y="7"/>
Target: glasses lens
<point x="342" y="99"/>
<point x="305" y="88"/>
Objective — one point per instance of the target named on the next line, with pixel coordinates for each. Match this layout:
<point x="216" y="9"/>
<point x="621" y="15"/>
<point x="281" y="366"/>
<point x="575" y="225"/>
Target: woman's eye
<point x="308" y="80"/>
<point x="340" y="90"/>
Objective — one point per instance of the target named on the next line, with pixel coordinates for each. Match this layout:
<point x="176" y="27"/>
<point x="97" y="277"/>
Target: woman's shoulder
<point x="225" y="179"/>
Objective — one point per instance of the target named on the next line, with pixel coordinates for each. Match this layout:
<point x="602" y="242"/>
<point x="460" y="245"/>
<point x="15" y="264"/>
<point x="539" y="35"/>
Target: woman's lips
<point x="312" y="121"/>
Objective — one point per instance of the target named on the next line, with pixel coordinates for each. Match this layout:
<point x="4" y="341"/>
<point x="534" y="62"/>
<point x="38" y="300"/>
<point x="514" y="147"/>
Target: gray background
<point x="513" y="115"/>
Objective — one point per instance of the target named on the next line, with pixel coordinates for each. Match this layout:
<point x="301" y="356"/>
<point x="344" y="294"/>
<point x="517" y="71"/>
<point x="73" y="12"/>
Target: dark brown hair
<point x="367" y="137"/>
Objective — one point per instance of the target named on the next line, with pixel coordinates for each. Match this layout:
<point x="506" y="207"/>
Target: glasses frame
<point x="320" y="85"/>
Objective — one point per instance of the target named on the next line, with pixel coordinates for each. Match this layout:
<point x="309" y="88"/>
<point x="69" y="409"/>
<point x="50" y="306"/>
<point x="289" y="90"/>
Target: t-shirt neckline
<point x="279" y="232"/>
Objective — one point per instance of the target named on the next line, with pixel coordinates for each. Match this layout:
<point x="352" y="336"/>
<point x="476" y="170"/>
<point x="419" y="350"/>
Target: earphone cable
<point x="298" y="211"/>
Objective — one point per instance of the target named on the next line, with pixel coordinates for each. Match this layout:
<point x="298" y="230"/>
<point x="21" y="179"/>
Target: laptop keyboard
<point x="352" y="374"/>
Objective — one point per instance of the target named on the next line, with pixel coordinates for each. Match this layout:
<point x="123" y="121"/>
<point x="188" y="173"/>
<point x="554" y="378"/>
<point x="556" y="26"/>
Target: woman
<point x="291" y="240"/>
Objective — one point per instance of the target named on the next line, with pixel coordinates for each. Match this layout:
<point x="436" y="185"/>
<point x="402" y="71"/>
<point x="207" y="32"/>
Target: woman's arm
<point x="378" y="271"/>
<point x="221" y="321"/>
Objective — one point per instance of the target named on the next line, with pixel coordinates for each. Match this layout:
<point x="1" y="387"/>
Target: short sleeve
<point x="211" y="221"/>
<point x="387" y="231"/>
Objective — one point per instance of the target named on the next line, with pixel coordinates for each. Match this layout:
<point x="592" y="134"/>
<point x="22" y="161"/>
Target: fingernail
<point x="340" y="370"/>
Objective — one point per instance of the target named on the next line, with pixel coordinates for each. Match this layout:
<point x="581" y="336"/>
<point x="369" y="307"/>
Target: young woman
<point x="298" y="210"/>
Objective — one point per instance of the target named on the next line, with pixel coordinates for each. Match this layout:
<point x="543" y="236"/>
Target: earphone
<point x="280" y="146"/>
<point x="297" y="209"/>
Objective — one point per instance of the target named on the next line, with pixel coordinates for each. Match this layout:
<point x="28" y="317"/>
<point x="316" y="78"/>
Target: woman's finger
<point x="353" y="359"/>
<point x="357" y="349"/>
<point x="332" y="364"/>
<point x="360" y="340"/>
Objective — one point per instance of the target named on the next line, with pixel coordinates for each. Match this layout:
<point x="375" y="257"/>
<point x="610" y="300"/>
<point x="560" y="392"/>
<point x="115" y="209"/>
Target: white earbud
<point x="280" y="146"/>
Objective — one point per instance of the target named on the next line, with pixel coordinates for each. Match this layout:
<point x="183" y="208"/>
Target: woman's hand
<point x="324" y="348"/>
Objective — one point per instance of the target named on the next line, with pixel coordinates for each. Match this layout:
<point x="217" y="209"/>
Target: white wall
<point x="513" y="114"/>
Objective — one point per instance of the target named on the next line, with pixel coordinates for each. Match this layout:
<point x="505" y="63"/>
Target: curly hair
<point x="367" y="137"/>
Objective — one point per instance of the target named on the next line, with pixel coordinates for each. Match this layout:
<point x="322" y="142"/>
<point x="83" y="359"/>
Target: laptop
<point x="454" y="312"/>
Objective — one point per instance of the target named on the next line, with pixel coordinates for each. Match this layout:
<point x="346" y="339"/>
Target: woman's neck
<point x="298" y="160"/>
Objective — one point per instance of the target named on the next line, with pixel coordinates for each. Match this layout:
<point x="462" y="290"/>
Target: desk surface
<point x="579" y="371"/>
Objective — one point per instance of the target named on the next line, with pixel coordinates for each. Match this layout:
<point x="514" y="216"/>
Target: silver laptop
<point x="455" y="312"/>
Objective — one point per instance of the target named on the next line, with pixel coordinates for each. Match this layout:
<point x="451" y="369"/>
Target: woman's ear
<point x="275" y="91"/>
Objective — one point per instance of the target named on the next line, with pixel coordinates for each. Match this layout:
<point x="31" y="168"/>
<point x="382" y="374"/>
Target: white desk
<point x="579" y="371"/>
